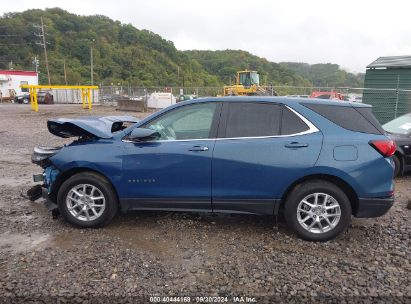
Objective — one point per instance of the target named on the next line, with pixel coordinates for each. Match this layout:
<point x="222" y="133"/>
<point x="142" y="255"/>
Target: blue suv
<point x="316" y="162"/>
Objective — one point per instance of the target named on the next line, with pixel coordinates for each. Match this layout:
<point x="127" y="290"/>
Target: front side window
<point x="253" y="120"/>
<point x="187" y="122"/>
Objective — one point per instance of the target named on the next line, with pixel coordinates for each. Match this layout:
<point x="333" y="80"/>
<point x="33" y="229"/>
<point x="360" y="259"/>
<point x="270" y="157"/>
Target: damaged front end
<point x="87" y="130"/>
<point x="41" y="156"/>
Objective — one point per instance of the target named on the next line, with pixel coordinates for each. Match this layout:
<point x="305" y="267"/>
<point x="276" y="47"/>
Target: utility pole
<point x="65" y="72"/>
<point x="36" y="66"/>
<point x="36" y="63"/>
<point x="92" y="69"/>
<point x="91" y="65"/>
<point x="43" y="43"/>
<point x="65" y="78"/>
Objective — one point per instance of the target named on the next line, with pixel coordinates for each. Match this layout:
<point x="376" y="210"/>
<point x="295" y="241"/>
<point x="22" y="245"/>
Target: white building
<point x="10" y="81"/>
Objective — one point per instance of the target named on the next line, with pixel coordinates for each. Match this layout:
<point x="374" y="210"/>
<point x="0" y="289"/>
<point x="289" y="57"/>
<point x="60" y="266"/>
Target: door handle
<point x="294" y="145"/>
<point x="198" y="148"/>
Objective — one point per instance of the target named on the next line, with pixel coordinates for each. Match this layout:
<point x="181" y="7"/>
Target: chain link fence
<point x="112" y="93"/>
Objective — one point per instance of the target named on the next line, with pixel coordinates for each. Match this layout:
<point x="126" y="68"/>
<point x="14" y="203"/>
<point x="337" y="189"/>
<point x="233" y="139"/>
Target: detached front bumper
<point x="51" y="206"/>
<point x="374" y="207"/>
<point x="37" y="191"/>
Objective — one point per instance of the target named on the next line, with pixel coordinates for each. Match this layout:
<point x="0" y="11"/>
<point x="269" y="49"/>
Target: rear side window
<point x="291" y="123"/>
<point x="367" y="113"/>
<point x="252" y="119"/>
<point x="347" y="117"/>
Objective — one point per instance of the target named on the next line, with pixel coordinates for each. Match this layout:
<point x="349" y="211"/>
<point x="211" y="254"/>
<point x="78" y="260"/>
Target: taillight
<point x="385" y="147"/>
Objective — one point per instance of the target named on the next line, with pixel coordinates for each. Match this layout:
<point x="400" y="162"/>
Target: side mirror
<point x="143" y="134"/>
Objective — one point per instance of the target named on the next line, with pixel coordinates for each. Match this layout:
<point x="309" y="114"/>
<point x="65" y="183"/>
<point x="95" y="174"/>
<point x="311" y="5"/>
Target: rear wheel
<point x="87" y="200"/>
<point x="397" y="166"/>
<point x="317" y="211"/>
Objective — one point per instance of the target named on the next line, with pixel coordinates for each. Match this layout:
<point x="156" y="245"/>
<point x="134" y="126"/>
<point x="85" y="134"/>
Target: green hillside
<point x="224" y="64"/>
<point x="124" y="54"/>
<point x="325" y="74"/>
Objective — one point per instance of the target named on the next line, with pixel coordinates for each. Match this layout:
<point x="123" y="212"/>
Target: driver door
<point x="173" y="172"/>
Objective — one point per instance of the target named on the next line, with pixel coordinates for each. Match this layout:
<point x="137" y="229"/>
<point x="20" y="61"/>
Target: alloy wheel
<point x="85" y="202"/>
<point x="318" y="213"/>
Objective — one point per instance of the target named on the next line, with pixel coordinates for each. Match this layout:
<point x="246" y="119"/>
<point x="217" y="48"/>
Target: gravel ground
<point x="144" y="254"/>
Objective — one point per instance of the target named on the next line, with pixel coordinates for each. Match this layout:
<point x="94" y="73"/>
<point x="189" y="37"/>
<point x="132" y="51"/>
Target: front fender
<point x="102" y="157"/>
<point x="113" y="174"/>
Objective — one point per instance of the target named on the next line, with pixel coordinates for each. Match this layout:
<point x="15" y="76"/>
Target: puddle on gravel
<point x="145" y="239"/>
<point x="14" y="182"/>
<point x="17" y="242"/>
<point x="62" y="241"/>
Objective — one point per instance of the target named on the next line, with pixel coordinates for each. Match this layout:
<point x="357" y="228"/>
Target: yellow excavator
<point x="247" y="84"/>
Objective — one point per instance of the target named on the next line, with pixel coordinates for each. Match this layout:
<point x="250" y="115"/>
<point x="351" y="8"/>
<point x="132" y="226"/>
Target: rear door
<point x="261" y="149"/>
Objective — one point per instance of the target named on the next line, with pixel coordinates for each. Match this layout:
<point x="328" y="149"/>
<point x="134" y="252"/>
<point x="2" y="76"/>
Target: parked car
<point x="317" y="162"/>
<point x="327" y="95"/>
<point x="399" y="130"/>
<point x="23" y="98"/>
<point x="352" y="97"/>
<point x="45" y="97"/>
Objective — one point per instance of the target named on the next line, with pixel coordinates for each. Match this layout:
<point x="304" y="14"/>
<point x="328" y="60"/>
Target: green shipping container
<point x="388" y="87"/>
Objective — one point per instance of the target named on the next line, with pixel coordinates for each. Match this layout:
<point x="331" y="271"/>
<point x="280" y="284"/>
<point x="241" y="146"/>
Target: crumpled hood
<point x="102" y="127"/>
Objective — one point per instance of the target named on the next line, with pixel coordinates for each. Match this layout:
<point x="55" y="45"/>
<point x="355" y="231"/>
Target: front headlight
<point x="42" y="154"/>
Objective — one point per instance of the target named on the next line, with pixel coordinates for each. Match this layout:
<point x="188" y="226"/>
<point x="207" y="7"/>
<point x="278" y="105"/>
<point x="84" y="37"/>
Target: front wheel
<point x="317" y="211"/>
<point x="87" y="200"/>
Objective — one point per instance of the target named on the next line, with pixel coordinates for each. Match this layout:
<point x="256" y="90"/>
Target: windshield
<point x="255" y="78"/>
<point x="249" y="78"/>
<point x="400" y="125"/>
<point x="324" y="96"/>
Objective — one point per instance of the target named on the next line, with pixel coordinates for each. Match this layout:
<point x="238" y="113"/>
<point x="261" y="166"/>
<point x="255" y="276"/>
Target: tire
<point x="25" y="101"/>
<point x="300" y="216"/>
<point x="397" y="166"/>
<point x="96" y="209"/>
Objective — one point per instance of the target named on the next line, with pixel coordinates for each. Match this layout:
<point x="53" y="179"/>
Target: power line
<point x="6" y="44"/>
<point x="17" y="62"/>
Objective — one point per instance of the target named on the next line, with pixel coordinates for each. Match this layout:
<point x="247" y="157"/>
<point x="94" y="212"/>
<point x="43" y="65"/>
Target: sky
<point x="351" y="33"/>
